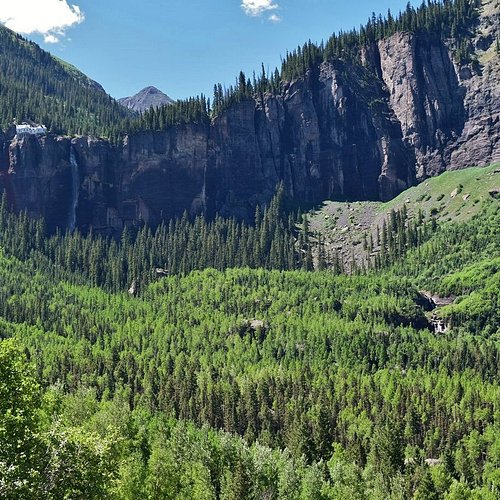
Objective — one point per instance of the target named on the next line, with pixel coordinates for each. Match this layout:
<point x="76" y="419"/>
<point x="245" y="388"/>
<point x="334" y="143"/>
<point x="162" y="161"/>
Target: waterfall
<point x="204" y="191"/>
<point x="75" y="190"/>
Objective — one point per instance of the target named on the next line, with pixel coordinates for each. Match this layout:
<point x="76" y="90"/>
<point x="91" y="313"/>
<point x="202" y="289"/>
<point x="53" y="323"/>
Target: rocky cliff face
<point x="344" y="131"/>
<point x="479" y="141"/>
<point x="449" y="114"/>
<point x="331" y="134"/>
<point x="426" y="96"/>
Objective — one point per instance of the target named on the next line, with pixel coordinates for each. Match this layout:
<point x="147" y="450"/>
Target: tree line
<point x="35" y="86"/>
<point x="449" y="19"/>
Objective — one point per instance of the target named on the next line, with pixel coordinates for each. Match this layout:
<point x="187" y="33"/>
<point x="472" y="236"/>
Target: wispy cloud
<point x="50" y="18"/>
<point x="258" y="7"/>
<point x="274" y="18"/>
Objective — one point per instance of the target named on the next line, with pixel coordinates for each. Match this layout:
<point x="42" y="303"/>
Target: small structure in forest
<point x="256" y="328"/>
<point x="25" y="129"/>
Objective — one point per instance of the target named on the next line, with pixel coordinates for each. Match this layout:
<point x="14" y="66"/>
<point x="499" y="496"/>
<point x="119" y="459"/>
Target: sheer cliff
<point x="347" y="129"/>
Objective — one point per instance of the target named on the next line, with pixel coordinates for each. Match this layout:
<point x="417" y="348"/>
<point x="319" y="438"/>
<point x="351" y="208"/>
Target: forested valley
<point x="210" y="379"/>
<point x="309" y="353"/>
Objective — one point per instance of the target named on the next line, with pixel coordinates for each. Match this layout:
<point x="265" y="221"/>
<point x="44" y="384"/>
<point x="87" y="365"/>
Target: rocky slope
<point x="145" y="99"/>
<point x="454" y="197"/>
<point x="344" y="131"/>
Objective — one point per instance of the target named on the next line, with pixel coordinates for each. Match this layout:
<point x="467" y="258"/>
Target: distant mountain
<point x="145" y="99"/>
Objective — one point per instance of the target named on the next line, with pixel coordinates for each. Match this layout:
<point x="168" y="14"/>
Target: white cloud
<point x="274" y="18"/>
<point x="50" y="18"/>
<point x="258" y="7"/>
<point x="50" y="39"/>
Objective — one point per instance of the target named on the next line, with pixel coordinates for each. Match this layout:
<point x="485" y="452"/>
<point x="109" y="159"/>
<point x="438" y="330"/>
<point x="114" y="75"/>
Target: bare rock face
<point x="98" y="171"/>
<point x="163" y="174"/>
<point x="236" y="176"/>
<point x="5" y="179"/>
<point x="425" y="95"/>
<point x="38" y="177"/>
<point x="331" y="134"/>
<point x="345" y="131"/>
<point x="479" y="142"/>
<point x="449" y="114"/>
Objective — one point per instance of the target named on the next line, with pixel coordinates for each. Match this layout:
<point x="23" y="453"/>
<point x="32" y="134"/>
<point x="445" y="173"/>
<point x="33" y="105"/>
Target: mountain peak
<point x="145" y="99"/>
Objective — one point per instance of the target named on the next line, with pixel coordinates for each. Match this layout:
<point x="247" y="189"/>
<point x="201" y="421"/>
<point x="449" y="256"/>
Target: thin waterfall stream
<point x="75" y="190"/>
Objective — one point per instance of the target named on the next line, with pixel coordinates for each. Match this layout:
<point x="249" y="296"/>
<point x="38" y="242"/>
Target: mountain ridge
<point x="178" y="322"/>
<point x="364" y="127"/>
<point x="39" y="87"/>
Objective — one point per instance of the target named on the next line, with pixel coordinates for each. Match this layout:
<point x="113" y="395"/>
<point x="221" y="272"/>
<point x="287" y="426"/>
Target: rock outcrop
<point x="479" y="142"/>
<point x="449" y="114"/>
<point x="426" y="96"/>
<point x="343" y="131"/>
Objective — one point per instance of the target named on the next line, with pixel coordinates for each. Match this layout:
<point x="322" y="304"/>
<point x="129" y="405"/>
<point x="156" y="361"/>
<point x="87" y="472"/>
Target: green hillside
<point x="454" y="196"/>
<point x="349" y="353"/>
<point x="36" y="86"/>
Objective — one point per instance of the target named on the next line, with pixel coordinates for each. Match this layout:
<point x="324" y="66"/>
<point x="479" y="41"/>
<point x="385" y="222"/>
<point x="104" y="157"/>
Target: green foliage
<point x="19" y="400"/>
<point x="250" y="383"/>
<point x="400" y="234"/>
<point x="45" y="457"/>
<point x="174" y="248"/>
<point x="38" y="87"/>
<point x="235" y="372"/>
<point x="192" y="110"/>
<point x="80" y="464"/>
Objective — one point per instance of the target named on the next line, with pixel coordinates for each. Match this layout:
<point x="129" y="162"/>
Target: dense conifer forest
<point x="247" y="383"/>
<point x="35" y="86"/>
<point x="220" y="359"/>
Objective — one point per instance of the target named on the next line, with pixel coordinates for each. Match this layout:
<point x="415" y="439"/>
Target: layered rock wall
<point x="344" y="131"/>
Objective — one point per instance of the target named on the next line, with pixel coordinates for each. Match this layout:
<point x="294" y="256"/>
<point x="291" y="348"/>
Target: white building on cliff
<point x="25" y="129"/>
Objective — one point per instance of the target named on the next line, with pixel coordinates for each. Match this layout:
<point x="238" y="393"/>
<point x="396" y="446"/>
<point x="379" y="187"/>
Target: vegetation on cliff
<point x="36" y="86"/>
<point x="449" y="20"/>
<point x="367" y="234"/>
<point x="227" y="360"/>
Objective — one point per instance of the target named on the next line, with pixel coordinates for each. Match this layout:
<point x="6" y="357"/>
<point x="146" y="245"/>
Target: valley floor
<point x="253" y="383"/>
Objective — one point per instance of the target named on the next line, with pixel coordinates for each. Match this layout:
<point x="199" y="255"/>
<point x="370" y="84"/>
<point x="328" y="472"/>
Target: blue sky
<point x="182" y="47"/>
